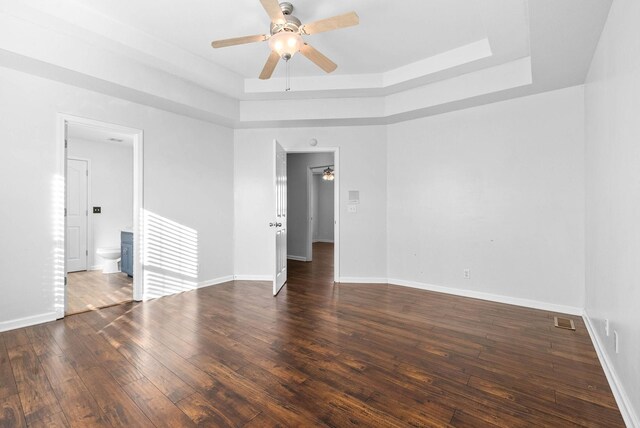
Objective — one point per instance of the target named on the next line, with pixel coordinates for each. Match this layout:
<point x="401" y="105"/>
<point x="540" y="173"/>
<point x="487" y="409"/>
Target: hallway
<point x="317" y="272"/>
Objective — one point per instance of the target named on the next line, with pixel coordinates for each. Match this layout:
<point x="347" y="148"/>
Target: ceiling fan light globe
<point x="285" y="43"/>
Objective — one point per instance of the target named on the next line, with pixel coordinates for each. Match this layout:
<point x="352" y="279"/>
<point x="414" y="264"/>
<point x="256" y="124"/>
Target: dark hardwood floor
<point x="90" y="290"/>
<point x="318" y="354"/>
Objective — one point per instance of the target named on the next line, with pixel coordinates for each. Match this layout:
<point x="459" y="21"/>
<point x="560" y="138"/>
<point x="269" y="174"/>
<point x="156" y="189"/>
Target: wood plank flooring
<point x="93" y="289"/>
<point x="317" y="355"/>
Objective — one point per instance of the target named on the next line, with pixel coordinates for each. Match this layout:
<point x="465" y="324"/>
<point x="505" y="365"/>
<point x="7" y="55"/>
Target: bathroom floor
<point x="91" y="290"/>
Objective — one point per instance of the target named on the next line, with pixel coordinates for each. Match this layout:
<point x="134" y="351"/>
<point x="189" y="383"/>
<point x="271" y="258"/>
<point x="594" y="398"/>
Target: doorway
<point x="102" y="192"/>
<point x="312" y="247"/>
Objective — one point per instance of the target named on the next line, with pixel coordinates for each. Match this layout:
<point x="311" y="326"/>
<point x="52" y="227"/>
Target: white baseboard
<point x="362" y="280"/>
<point x="253" y="277"/>
<point x="535" y="304"/>
<point x="216" y="281"/>
<point x="297" y="258"/>
<point x="27" y="321"/>
<point x="328" y="241"/>
<point x="629" y="414"/>
<point x="517" y="301"/>
<point x="95" y="267"/>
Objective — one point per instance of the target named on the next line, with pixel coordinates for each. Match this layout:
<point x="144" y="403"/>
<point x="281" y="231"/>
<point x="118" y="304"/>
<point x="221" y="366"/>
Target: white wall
<point x="612" y="98"/>
<point x="187" y="171"/>
<point x="362" y="167"/>
<point x="323" y="219"/>
<point x="315" y="182"/>
<point x="497" y="189"/>
<point x="298" y="165"/>
<point x="111" y="172"/>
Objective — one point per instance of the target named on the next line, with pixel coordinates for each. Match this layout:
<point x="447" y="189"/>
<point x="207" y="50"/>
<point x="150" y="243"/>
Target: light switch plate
<point x="352" y="208"/>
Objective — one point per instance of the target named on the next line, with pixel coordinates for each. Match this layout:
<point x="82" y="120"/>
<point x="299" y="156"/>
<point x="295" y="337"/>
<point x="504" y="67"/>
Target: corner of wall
<point x="629" y="414"/>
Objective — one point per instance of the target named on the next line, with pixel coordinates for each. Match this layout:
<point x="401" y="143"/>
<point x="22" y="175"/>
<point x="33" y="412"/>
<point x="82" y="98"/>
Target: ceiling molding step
<point x="404" y="77"/>
<point x="73" y="78"/>
<point x="76" y="20"/>
<point x="40" y="51"/>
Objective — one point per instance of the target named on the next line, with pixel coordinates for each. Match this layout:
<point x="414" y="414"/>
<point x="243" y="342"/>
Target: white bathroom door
<point x="77" y="214"/>
<point x="280" y="224"/>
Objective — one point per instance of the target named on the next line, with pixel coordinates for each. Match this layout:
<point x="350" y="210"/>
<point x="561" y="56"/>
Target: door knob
<point x="278" y="224"/>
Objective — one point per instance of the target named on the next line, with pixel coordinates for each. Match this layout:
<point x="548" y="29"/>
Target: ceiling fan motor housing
<point x="286" y="8"/>
<point x="292" y="24"/>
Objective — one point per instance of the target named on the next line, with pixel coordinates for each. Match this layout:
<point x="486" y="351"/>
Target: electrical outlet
<point x="616" y="343"/>
<point x="606" y="327"/>
<point x="467" y="274"/>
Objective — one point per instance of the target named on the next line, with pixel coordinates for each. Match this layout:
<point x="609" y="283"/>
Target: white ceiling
<point x="390" y="34"/>
<point x="96" y="134"/>
<point x="405" y="59"/>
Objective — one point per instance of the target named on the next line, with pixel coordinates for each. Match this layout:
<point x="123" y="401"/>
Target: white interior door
<point x="77" y="180"/>
<point x="280" y="224"/>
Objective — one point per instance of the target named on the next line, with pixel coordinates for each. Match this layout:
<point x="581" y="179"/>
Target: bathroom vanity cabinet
<point x="126" y="253"/>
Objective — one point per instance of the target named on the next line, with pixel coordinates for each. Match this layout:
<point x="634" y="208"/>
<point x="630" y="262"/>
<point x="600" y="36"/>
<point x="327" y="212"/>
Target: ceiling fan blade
<point x="239" y="41"/>
<point x="272" y="61"/>
<point x="317" y="58"/>
<point x="329" y="24"/>
<point x="273" y="10"/>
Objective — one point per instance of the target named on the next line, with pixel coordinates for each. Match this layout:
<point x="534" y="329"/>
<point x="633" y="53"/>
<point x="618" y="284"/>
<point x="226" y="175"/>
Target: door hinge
<point x="86" y="252"/>
<point x="65" y="280"/>
<point x="65" y="212"/>
<point x="65" y="143"/>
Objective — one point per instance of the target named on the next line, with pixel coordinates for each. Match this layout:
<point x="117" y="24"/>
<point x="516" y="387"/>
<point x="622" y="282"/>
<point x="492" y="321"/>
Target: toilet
<point x="111" y="256"/>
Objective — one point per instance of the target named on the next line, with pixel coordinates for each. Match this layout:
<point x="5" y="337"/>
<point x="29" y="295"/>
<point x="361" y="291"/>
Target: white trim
<point x="517" y="301"/>
<point x="59" y="288"/>
<point x="297" y="258"/>
<point x="27" y="321"/>
<point x="361" y="280"/>
<point x="253" y="277"/>
<point x="336" y="199"/>
<point x="535" y="304"/>
<point x="216" y="281"/>
<point x="328" y="241"/>
<point x="96" y="267"/>
<point x="629" y="415"/>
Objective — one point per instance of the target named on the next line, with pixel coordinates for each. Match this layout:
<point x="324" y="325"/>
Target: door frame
<point x="59" y="204"/>
<point x="336" y="199"/>
<point x="89" y="218"/>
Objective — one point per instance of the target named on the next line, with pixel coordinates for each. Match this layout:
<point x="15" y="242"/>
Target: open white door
<point x="280" y="224"/>
<point x="77" y="177"/>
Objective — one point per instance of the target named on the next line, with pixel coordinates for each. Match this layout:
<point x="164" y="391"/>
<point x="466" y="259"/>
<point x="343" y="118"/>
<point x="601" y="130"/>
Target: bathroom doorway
<point x="102" y="189"/>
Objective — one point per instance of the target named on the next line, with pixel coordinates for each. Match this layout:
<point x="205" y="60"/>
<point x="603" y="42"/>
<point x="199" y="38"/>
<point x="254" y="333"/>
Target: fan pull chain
<point x="287" y="81"/>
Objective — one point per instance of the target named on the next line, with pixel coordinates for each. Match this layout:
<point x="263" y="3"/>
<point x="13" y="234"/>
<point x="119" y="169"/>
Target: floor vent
<point x="565" y="323"/>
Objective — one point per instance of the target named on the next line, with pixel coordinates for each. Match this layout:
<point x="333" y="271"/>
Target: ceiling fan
<point x="285" y="37"/>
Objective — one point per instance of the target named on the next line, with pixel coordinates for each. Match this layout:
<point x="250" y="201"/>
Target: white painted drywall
<point x="324" y="215"/>
<point x="111" y="170"/>
<point x="315" y="182"/>
<point x="612" y="97"/>
<point x="362" y="167"/>
<point x="188" y="173"/>
<point x="497" y="189"/>
<point x="298" y="165"/>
